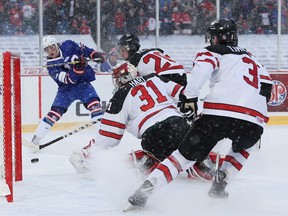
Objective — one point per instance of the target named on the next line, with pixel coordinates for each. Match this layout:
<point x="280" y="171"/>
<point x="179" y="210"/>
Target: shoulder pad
<point x="154" y="49"/>
<point x="135" y="58"/>
<point x="223" y="49"/>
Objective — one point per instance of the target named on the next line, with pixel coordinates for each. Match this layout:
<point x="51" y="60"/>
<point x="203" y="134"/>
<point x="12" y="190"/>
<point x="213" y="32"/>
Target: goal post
<point x="10" y="120"/>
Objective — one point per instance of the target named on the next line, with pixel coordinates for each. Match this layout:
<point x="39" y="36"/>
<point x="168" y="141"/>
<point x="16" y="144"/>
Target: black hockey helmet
<point x="130" y="42"/>
<point x="225" y="30"/>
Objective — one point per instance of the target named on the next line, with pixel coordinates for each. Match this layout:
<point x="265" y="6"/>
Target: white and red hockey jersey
<point x="149" y="61"/>
<point x="138" y="105"/>
<point x="235" y="82"/>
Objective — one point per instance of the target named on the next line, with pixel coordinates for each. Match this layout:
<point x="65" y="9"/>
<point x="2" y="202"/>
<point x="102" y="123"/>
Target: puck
<point x="34" y="160"/>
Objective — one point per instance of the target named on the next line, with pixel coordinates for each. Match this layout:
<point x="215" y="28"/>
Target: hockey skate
<point x="33" y="145"/>
<point x="36" y="140"/>
<point x="203" y="170"/>
<point x="199" y="171"/>
<point x="139" y="199"/>
<point x="217" y="189"/>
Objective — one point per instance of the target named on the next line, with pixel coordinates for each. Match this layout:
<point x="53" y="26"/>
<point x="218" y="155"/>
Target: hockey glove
<point x="188" y="107"/>
<point x="80" y="66"/>
<point x="265" y="90"/>
<point x="98" y="57"/>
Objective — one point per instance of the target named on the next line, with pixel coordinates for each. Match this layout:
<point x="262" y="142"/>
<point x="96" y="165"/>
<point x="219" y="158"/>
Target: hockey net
<point x="10" y="124"/>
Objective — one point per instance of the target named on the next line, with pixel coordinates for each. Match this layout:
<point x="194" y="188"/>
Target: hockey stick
<point x="136" y="164"/>
<point x="216" y="177"/>
<point x="60" y="64"/>
<point x="70" y="63"/>
<point x="36" y="148"/>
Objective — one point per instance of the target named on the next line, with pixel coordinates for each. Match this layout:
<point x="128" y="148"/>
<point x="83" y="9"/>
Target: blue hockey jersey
<point x="63" y="74"/>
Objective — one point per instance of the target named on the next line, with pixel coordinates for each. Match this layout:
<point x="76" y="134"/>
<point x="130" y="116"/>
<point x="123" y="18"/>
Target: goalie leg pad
<point x="78" y="161"/>
<point x="78" y="158"/>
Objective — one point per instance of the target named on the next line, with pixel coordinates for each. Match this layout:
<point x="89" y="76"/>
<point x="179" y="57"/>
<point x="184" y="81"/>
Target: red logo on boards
<point x="278" y="94"/>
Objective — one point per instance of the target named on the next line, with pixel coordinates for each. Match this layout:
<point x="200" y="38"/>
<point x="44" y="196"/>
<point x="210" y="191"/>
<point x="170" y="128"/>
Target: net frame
<point x="11" y="135"/>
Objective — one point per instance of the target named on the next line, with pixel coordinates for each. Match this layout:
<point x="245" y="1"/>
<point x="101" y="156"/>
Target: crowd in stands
<point x="20" y="17"/>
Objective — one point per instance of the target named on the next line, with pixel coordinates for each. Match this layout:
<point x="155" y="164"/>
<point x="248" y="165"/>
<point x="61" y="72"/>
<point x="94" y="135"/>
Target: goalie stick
<point x="36" y="148"/>
<point x="216" y="177"/>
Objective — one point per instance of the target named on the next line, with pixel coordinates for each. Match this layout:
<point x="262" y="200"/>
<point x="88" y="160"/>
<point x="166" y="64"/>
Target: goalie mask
<point x="123" y="73"/>
<point x="223" y="31"/>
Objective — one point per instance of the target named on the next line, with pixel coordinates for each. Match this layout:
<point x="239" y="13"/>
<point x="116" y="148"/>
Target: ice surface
<point x="52" y="186"/>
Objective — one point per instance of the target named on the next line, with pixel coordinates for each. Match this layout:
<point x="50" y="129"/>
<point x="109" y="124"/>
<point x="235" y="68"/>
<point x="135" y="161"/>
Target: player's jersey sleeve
<point x="264" y="76"/>
<point x="204" y="64"/>
<point x="76" y="48"/>
<point x="113" y="123"/>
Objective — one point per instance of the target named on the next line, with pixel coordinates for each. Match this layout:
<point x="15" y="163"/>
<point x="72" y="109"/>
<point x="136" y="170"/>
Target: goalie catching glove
<point x="188" y="107"/>
<point x="98" y="57"/>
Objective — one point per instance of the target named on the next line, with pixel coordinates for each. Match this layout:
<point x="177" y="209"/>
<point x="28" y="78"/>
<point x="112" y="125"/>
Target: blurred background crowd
<point x="190" y="17"/>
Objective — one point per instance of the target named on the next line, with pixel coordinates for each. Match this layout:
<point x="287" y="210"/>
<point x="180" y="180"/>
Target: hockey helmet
<point x="130" y="42"/>
<point x="225" y="30"/>
<point x="49" y="41"/>
<point x="123" y="73"/>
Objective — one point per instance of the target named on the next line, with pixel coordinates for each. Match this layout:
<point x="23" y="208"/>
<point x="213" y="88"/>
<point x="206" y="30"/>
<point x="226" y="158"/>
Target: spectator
<point x="84" y="28"/>
<point x="151" y="25"/>
<point x="110" y="62"/>
<point x="265" y="26"/>
<point x="176" y="20"/>
<point x="165" y="18"/>
<point x="74" y="27"/>
<point x="142" y="22"/>
<point x="50" y="17"/>
<point x="207" y="14"/>
<point x="186" y="21"/>
<point x="2" y="17"/>
<point x="16" y="17"/>
<point x="119" y="22"/>
<point x="131" y="21"/>
<point x="242" y="25"/>
<point x="29" y="16"/>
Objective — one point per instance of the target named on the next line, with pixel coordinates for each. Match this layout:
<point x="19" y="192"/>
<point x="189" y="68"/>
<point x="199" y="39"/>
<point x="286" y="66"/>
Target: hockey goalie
<point x="147" y="108"/>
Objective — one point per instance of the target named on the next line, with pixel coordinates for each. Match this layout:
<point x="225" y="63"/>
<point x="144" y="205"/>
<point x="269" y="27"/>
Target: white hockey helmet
<point x="49" y="41"/>
<point x="123" y="73"/>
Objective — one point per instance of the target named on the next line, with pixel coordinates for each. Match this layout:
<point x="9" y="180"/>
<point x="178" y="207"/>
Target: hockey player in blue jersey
<point x="67" y="66"/>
